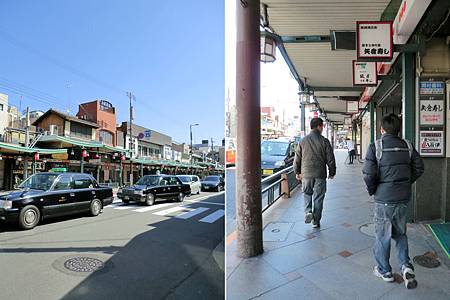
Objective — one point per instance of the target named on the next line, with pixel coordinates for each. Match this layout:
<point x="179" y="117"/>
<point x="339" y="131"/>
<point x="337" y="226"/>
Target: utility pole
<point x="190" y="130"/>
<point x="27" y="142"/>
<point x="131" y="97"/>
<point x="248" y="139"/>
<point x="212" y="149"/>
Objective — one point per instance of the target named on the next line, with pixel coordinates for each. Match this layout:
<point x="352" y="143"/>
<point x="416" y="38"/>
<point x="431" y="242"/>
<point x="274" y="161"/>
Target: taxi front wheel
<point x="29" y="217"/>
<point x="96" y="207"/>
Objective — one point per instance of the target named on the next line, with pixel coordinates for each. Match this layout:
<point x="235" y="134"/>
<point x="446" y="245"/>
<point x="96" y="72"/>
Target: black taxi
<point x="149" y="188"/>
<point x="49" y="194"/>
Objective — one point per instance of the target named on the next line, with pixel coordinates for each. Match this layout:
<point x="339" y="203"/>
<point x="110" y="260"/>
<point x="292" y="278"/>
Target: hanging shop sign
<point x="348" y="121"/>
<point x="408" y="16"/>
<point x="374" y="40"/>
<point x="432" y="112"/>
<point x="431" y="143"/>
<point x="352" y="107"/>
<point x="61" y="156"/>
<point x="364" y="73"/>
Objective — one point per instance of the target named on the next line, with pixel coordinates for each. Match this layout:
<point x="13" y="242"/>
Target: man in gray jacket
<point x="313" y="155"/>
<point x="391" y="166"/>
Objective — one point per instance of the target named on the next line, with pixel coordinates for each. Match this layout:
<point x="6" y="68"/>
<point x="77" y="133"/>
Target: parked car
<point x="213" y="183"/>
<point x="150" y="188"/>
<point x="48" y="194"/>
<point x="193" y="181"/>
<point x="276" y="154"/>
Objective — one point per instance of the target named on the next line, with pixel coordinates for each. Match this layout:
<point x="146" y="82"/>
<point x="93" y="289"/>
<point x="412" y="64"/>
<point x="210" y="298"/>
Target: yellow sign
<point x="60" y="156"/>
<point x="267" y="172"/>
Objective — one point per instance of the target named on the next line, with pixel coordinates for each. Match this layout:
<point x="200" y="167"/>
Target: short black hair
<point x="316" y="122"/>
<point x="391" y="124"/>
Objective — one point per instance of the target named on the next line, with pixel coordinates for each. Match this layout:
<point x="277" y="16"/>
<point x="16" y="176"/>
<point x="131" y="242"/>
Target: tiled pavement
<point x="334" y="262"/>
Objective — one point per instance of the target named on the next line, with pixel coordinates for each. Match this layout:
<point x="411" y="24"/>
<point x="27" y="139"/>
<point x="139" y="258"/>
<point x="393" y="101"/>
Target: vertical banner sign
<point x="364" y="73"/>
<point x="374" y="40"/>
<point x="432" y="116"/>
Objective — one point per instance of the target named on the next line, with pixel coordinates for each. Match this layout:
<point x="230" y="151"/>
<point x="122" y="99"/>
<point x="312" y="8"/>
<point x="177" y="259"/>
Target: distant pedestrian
<point x="391" y="166"/>
<point x="351" y="150"/>
<point x="312" y="156"/>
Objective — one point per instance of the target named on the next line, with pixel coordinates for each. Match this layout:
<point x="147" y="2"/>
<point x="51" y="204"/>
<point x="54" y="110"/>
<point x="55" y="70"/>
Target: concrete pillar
<point x="408" y="95"/>
<point x="248" y="140"/>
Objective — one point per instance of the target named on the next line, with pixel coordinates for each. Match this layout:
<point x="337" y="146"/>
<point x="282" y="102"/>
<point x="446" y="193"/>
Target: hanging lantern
<point x="36" y="156"/>
<point x="19" y="158"/>
<point x="122" y="157"/>
<point x="268" y="48"/>
<point x="1" y="157"/>
<point x="72" y="152"/>
<point x="84" y="153"/>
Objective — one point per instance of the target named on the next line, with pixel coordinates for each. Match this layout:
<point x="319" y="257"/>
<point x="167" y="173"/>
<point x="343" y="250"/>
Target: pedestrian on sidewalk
<point x="312" y="156"/>
<point x="391" y="166"/>
<point x="351" y="150"/>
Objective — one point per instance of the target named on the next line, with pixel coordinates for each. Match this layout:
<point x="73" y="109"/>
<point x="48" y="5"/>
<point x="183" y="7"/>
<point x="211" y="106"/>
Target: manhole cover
<point x="275" y="230"/>
<point x="427" y="260"/>
<point x="368" y="229"/>
<point x="83" y="264"/>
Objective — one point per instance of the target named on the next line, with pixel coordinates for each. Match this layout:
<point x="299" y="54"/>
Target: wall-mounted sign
<point x="432" y="112"/>
<point x="352" y="107"/>
<point x="364" y="73"/>
<point x="431" y="143"/>
<point x="145" y="134"/>
<point x="61" y="156"/>
<point x="431" y="87"/>
<point x="374" y="40"/>
<point x="348" y="121"/>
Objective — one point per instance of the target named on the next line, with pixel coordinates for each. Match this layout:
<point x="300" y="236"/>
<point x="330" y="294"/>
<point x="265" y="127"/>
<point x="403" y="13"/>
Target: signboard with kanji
<point x="374" y="40"/>
<point x="432" y="112"/>
<point x="431" y="143"/>
<point x="364" y="73"/>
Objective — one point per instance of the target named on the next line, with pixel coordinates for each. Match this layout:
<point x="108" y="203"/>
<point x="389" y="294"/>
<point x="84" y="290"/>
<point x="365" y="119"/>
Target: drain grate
<point x="428" y="260"/>
<point x="83" y="264"/>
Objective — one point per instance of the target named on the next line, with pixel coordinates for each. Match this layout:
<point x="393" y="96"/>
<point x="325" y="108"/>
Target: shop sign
<point x="364" y="73"/>
<point x="408" y="16"/>
<point x="347" y="121"/>
<point x="432" y="88"/>
<point x="432" y="112"/>
<point x="431" y="143"/>
<point x="60" y="156"/>
<point x="145" y="134"/>
<point x="352" y="107"/>
<point x="374" y="40"/>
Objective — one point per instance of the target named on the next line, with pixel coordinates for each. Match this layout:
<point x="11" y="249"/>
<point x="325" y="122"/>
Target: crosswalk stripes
<point x="154" y="207"/>
<point x="178" y="211"/>
<point x="192" y="213"/>
<point x="171" y="210"/>
<point x="214" y="216"/>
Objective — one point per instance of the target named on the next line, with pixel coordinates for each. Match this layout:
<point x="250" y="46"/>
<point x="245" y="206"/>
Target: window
<point x="80" y="130"/>
<point x="173" y="181"/>
<point x="194" y="178"/>
<point x="64" y="183"/>
<point x="1" y="107"/>
<point x="144" y="151"/>
<point x="106" y="137"/>
<point x="164" y="182"/>
<point x="83" y="182"/>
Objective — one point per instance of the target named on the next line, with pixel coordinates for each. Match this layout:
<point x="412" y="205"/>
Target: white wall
<point x="3" y="113"/>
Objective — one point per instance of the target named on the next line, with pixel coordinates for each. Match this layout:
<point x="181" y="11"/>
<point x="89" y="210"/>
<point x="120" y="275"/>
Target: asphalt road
<point x="230" y="189"/>
<point x="167" y="251"/>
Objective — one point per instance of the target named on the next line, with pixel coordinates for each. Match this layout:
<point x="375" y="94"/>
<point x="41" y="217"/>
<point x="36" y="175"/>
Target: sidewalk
<point x="334" y="262"/>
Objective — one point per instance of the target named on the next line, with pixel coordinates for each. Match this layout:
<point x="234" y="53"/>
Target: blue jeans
<point x="390" y="222"/>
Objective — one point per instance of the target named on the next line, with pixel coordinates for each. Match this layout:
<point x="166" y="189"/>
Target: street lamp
<point x="190" y="127"/>
<point x="268" y="47"/>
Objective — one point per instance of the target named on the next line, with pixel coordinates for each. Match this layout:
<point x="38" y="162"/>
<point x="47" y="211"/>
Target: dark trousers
<point x="351" y="153"/>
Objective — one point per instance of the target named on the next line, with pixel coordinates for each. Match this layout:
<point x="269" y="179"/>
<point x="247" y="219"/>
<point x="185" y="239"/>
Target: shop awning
<point x="67" y="142"/>
<point x="17" y="149"/>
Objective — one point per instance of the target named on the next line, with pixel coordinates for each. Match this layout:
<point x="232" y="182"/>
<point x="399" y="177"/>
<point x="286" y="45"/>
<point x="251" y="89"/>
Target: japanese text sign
<point x="432" y="112"/>
<point x="352" y="107"/>
<point x="364" y="73"/>
<point x="374" y="40"/>
<point x="431" y="143"/>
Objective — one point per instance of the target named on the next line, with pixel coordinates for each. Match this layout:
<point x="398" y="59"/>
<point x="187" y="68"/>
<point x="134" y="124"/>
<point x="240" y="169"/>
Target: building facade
<point x="103" y="113"/>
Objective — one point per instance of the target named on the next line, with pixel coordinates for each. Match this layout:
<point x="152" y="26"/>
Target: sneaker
<point x="388" y="277"/>
<point x="409" y="277"/>
<point x="315" y="225"/>
<point x="308" y="218"/>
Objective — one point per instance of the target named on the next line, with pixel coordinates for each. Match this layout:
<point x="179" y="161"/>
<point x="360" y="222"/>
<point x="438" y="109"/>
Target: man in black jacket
<point x="390" y="167"/>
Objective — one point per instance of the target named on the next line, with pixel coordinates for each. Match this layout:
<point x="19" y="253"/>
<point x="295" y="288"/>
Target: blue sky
<point x="170" y="54"/>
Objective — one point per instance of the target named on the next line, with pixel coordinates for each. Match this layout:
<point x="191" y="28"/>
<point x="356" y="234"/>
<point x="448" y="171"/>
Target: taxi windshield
<point x="185" y="178"/>
<point x="148" y="180"/>
<point x="39" y="182"/>
<point x="212" y="178"/>
<point x="272" y="148"/>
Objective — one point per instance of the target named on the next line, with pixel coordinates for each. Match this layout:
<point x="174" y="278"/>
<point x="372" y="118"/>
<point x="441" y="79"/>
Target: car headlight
<point x="139" y="192"/>
<point x="5" y="204"/>
<point x="280" y="163"/>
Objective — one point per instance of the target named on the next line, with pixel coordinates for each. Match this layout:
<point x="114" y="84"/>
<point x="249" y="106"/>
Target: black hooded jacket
<point x="390" y="181"/>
